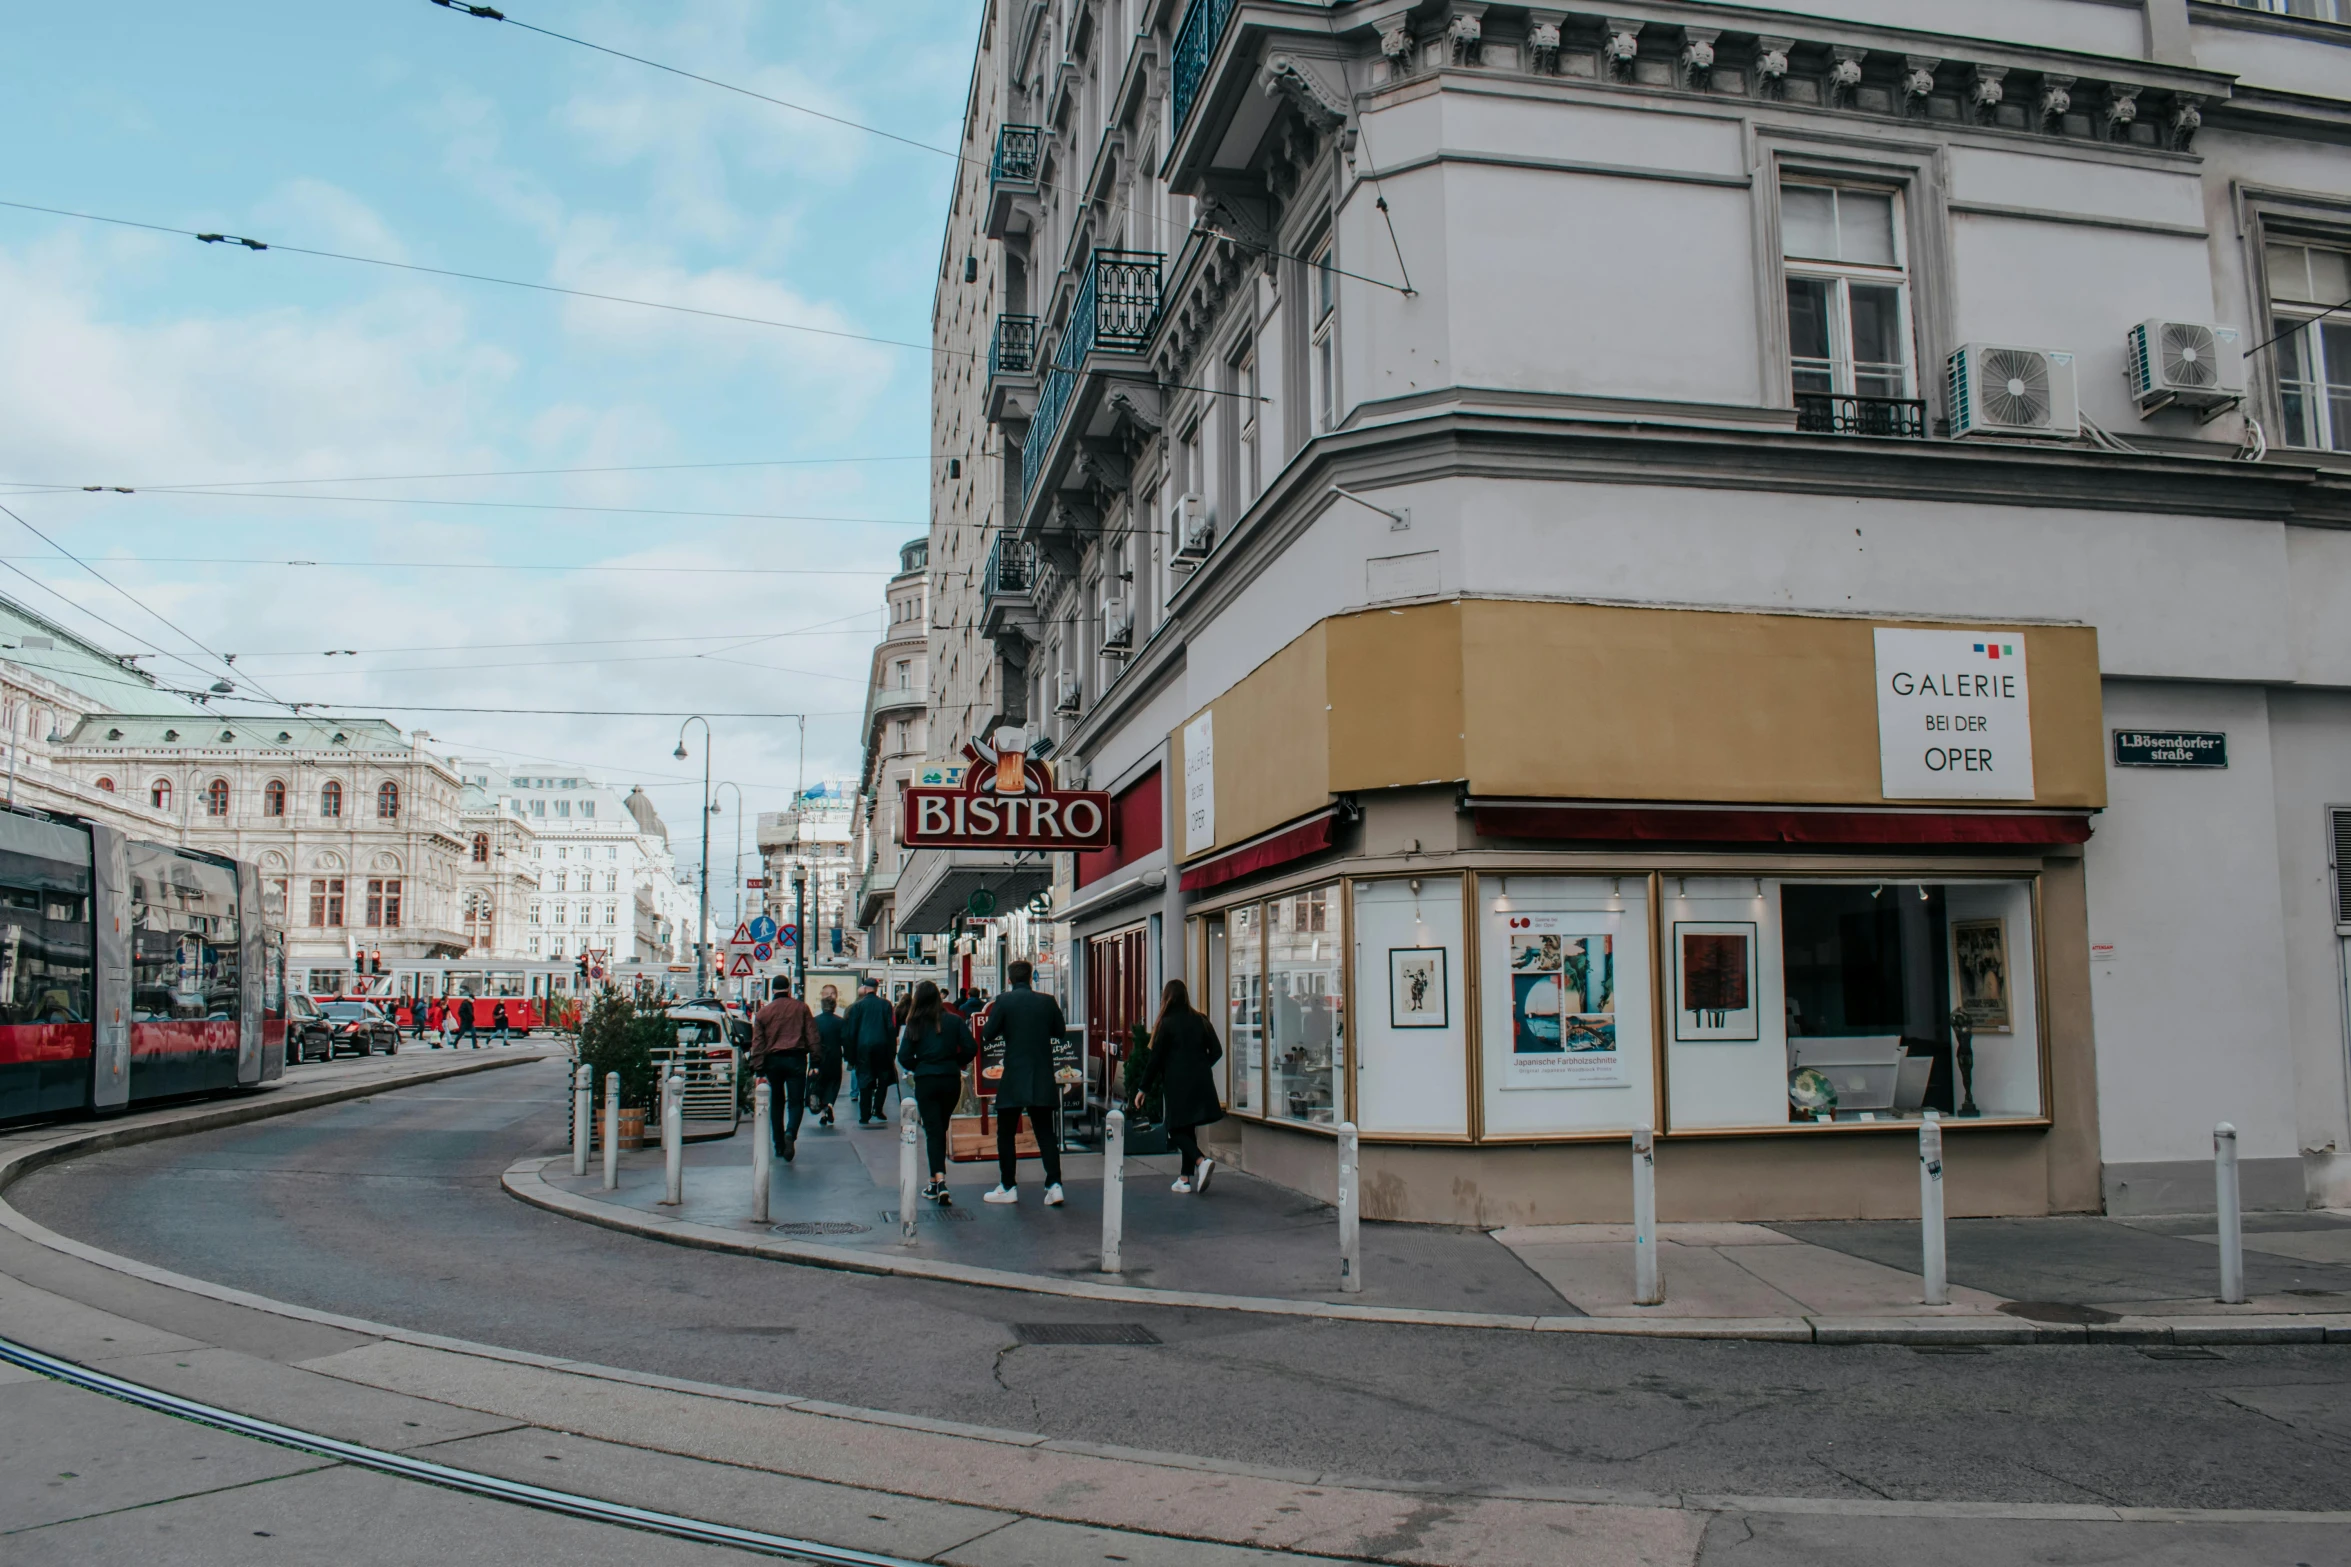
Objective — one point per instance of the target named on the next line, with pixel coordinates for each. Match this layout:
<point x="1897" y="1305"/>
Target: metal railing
<point x="1826" y="413"/>
<point x="712" y="1107"/>
<point x="1012" y="568"/>
<point x="1018" y="147"/>
<point x="1117" y="309"/>
<point x="1013" y="350"/>
<point x="1195" y="46"/>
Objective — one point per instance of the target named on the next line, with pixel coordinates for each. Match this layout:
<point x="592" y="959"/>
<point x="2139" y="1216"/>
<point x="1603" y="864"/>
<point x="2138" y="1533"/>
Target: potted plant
<point x="615" y="1037"/>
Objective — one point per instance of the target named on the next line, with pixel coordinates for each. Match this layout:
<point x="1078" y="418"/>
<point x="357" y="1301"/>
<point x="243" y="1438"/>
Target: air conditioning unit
<point x="2185" y="364"/>
<point x="1069" y="694"/>
<point x="1118" y="626"/>
<point x="1997" y="389"/>
<point x="1195" y="533"/>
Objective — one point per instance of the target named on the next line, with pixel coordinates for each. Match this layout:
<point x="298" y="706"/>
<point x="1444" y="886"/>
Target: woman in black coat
<point x="1184" y="1053"/>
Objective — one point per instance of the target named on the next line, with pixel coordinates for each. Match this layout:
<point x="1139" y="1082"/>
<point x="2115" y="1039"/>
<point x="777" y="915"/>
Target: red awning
<point x="1637" y="824"/>
<point x="1279" y="847"/>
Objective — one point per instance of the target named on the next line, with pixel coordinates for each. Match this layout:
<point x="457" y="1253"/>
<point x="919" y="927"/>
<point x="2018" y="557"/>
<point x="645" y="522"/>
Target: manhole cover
<point x="929" y="1216"/>
<point x="1083" y="1333"/>
<point x="2057" y="1311"/>
<point x="820" y="1227"/>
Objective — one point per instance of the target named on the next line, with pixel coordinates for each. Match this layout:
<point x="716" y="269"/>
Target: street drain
<point x="820" y="1227"/>
<point x="929" y="1215"/>
<point x="1083" y="1333"/>
<point x="2057" y="1311"/>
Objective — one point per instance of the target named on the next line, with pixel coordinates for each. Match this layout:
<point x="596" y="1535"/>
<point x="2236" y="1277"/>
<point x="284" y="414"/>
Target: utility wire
<point x="2296" y="327"/>
<point x="492" y="473"/>
<point x="554" y="712"/>
<point x="467" y="565"/>
<point x="619" y="511"/>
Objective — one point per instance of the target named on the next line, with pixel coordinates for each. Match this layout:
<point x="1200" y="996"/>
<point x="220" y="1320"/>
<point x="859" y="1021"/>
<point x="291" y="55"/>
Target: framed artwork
<point x="1562" y="974"/>
<point x="1416" y="988"/>
<point x="1714" y="982"/>
<point x="1979" y="971"/>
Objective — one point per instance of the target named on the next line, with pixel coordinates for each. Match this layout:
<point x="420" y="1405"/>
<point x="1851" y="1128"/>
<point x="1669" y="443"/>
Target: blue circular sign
<point x="761" y="952"/>
<point x="763" y="929"/>
<point x="787" y="935"/>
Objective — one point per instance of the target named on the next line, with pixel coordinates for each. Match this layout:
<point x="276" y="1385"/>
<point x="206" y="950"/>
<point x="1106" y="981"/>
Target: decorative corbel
<point x="1288" y="78"/>
<point x="1918" y="84"/>
<point x="1986" y="91"/>
<point x="1543" y="41"/>
<point x="1622" y="47"/>
<point x="2186" y="118"/>
<point x="2056" y="102"/>
<point x="1139" y="405"/>
<point x="1221" y="215"/>
<point x="2121" y="110"/>
<point x="1465" y="32"/>
<point x="1771" y="66"/>
<point x="1697" y="62"/>
<point x="1396" y="40"/>
<point x="1845" y="75"/>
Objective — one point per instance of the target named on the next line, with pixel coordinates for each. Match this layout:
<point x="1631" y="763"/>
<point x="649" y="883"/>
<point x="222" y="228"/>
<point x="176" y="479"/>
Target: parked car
<point x="309" y="1036"/>
<point x="359" y="1029"/>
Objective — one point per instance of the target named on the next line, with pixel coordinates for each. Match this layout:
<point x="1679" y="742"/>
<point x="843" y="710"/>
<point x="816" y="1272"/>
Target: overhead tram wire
<point x="467" y="565"/>
<point x="621" y="511"/>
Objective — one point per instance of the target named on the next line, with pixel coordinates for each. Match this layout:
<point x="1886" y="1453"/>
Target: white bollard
<point x="1350" y="1214"/>
<point x="583" y="1114"/>
<point x="2232" y="1220"/>
<point x="1930" y="1209"/>
<point x="673" y="1140"/>
<point x="611" y="1131"/>
<point x="1114" y="1186"/>
<point x="909" y="1170"/>
<point x="762" y="1151"/>
<point x="1648" y="1281"/>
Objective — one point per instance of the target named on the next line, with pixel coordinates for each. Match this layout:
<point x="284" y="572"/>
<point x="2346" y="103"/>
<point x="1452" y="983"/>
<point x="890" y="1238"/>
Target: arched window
<point x="106" y="784"/>
<point x="159" y="795"/>
<point x="388" y="801"/>
<point x="330" y="799"/>
<point x="481" y="848"/>
<point x="216" y="797"/>
<point x="273" y="798"/>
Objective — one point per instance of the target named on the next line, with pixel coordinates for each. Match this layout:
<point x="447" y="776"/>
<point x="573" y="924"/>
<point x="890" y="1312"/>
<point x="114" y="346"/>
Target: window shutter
<point x="2340" y="861"/>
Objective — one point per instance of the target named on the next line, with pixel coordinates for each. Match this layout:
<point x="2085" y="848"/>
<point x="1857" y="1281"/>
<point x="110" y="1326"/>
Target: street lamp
<point x="702" y="931"/>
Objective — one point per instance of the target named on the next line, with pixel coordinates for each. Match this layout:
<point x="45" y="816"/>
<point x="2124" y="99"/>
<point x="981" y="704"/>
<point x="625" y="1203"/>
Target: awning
<point x="936" y="885"/>
<point x="1828" y="826"/>
<point x="1264" y="852"/>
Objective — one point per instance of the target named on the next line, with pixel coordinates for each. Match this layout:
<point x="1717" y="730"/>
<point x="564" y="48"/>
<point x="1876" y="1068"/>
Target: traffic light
<point x="375" y="963"/>
<point x="359" y="964"/>
<point x="583" y="965"/>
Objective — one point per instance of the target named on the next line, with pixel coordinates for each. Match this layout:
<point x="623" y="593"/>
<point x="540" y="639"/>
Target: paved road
<point x="389" y="1208"/>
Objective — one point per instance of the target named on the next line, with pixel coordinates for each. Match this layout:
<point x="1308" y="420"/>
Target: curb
<point x="525" y="1181"/>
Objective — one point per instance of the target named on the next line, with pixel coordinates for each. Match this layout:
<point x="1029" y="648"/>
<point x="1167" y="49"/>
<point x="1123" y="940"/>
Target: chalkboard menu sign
<point x="2170" y="748"/>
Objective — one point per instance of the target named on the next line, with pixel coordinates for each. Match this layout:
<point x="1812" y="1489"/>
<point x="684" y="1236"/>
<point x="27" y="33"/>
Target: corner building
<point x="1749" y="572"/>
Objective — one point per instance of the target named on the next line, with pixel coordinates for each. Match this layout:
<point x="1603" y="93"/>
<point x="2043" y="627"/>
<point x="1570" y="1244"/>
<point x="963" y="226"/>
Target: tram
<point x="129" y="971"/>
<point x="532" y="989"/>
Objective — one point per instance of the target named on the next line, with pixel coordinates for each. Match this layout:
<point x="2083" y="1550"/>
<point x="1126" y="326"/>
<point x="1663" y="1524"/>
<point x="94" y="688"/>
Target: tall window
<point x="159" y="794"/>
<point x="330" y="803"/>
<point x="481" y="848"/>
<point x="326" y="900"/>
<point x="2313" y="355"/>
<point x="216" y="797"/>
<point x="273" y="798"/>
<point x="1325" y="338"/>
<point x="383" y="900"/>
<point x="388" y="801"/>
<point x="1848" y="315"/>
<point x="905" y="673"/>
<point x="1244" y="422"/>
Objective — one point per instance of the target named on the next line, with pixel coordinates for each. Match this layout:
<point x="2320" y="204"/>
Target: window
<point x="1305" y="1018"/>
<point x="904" y="671"/>
<point x="2313" y="10"/>
<point x="383" y="900"/>
<point x="563" y="807"/>
<point x="330" y="803"/>
<point x="535" y="913"/>
<point x="611" y="914"/>
<point x="562" y="881"/>
<point x="388" y="801"/>
<point x="587" y="808"/>
<point x="273" y="798"/>
<point x="559" y="914"/>
<point x="1245" y="1005"/>
<point x="326" y="900"/>
<point x="216" y="797"/>
<point x="159" y="794"/>
<point x="534" y="946"/>
<point x="481" y="848"/>
<point x="612" y="881"/>
<point x="2313" y="356"/>
<point x="1245" y="423"/>
<point x="1848" y="312"/>
<point x="538" y="807"/>
<point x="1325" y="338"/>
<point x="106" y="784"/>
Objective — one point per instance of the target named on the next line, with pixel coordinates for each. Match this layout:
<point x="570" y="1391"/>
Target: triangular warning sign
<point x="742" y="968"/>
<point x="742" y="935"/>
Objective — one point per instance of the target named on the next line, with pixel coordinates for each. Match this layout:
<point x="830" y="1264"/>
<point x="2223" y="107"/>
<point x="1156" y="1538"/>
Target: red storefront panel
<point x="1138" y="819"/>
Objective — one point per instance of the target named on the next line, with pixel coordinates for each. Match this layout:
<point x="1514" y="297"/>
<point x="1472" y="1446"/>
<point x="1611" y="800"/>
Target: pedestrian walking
<point x="872" y="1033"/>
<point x="934" y="1048"/>
<point x="832" y="1037"/>
<point x="465" y="1028"/>
<point x="498" y="1021"/>
<point x="1184" y="1053"/>
<point x="1028" y="1024"/>
<point x="449" y="1026"/>
<point x="432" y="1017"/>
<point x="782" y="1035"/>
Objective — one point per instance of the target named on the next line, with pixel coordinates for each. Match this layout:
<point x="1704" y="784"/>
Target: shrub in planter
<point x="616" y="1037"/>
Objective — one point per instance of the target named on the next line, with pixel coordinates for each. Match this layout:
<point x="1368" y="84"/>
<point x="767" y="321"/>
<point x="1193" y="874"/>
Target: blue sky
<point x="398" y="129"/>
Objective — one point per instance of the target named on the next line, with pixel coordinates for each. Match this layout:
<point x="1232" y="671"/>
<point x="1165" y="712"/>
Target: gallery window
<point x="387" y="801"/>
<point x="1285" y="1007"/>
<point x="1411" y="1068"/>
<point x="383" y="900"/>
<point x="273" y="798"/>
<point x="216" y="798"/>
<point x="326" y="901"/>
<point x="330" y="800"/>
<point x="1849" y="333"/>
<point x="2313" y="348"/>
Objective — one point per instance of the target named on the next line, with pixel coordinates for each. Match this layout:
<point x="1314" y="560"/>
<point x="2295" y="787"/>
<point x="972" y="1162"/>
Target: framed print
<point x="1562" y="972"/>
<point x="1714" y="982"/>
<point x="1416" y="988"/>
<point x="1979" y="972"/>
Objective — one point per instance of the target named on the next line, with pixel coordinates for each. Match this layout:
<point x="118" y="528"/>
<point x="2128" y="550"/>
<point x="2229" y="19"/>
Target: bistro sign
<point x="1006" y="800"/>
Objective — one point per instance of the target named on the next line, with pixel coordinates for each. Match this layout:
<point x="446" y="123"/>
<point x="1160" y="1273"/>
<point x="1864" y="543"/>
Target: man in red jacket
<point x="782" y="1035"/>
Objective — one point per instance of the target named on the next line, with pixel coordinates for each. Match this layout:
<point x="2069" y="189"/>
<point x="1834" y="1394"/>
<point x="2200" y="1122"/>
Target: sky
<point x="305" y="392"/>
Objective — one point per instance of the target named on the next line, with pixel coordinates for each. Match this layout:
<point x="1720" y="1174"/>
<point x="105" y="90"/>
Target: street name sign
<point x="2170" y="748"/>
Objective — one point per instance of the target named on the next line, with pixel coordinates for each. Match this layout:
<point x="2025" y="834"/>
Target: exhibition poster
<point x="1562" y="973"/>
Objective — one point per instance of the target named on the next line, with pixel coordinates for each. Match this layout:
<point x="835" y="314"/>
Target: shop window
<point x="273" y="798"/>
<point x="1564" y="1005"/>
<point x="1245" y="1007"/>
<point x="2308" y="286"/>
<point x="1411" y="1070"/>
<point x="1305" y="1011"/>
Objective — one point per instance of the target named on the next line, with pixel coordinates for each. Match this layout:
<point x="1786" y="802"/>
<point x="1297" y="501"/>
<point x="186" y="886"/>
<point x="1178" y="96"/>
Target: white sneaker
<point x="1182" y="1187"/>
<point x="1200" y="1174"/>
<point x="1003" y="1194"/>
<point x="1053" y="1197"/>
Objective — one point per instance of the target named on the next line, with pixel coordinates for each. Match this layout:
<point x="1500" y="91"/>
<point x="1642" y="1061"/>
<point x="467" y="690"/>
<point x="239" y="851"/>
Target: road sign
<point x="742" y="966"/>
<point x="756" y="883"/>
<point x="763" y="929"/>
<point x="742" y="936"/>
<point x="982" y="903"/>
<point x="761" y="952"/>
<point x="787" y="935"/>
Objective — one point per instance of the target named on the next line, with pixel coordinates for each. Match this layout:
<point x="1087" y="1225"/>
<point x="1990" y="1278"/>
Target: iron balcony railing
<point x="1012" y="568"/>
<point x="1018" y="147"/>
<point x="1013" y="350"/>
<point x="1195" y="46"/>
<point x="1825" y="413"/>
<point x="1116" y="311"/>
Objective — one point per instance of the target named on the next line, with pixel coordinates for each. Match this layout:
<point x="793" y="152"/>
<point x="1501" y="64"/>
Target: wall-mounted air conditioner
<point x="2184" y="364"/>
<point x="1195" y="533"/>
<point x="1118" y="626"/>
<point x="1997" y="389"/>
<point x="1069" y="694"/>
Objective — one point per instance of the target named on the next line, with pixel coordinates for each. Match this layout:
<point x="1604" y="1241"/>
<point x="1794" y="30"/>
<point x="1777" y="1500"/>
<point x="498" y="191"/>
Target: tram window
<point x="44" y="923"/>
<point x="185" y="956"/>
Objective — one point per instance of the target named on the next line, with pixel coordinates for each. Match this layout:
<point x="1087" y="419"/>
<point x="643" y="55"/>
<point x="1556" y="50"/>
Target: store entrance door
<point x="1118" y="972"/>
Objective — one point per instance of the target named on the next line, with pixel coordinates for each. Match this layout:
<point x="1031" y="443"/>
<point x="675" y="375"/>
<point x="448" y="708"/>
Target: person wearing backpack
<point x="1184" y="1053"/>
<point x="933" y="1051"/>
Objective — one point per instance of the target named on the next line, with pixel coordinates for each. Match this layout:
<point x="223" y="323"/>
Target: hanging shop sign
<point x="2170" y="748"/>
<point x="1955" y="715"/>
<point x="1006" y="799"/>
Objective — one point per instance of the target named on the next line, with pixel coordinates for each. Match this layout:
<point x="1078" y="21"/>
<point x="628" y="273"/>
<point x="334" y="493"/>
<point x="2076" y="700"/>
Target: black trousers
<point x="936" y="1098"/>
<point x="787" y="1094"/>
<point x="1007" y="1151"/>
<point x="1187" y="1141"/>
<point x="871" y="1092"/>
<point x="824" y="1083"/>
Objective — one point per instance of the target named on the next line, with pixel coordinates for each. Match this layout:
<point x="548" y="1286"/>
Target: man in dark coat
<point x="465" y="1028"/>
<point x="1028" y="1024"/>
<point x="782" y="1035"/>
<point x="871" y="1031"/>
<point x="832" y="1035"/>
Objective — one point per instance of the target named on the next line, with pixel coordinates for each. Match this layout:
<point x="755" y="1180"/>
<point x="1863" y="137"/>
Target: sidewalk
<point x="1249" y="1245"/>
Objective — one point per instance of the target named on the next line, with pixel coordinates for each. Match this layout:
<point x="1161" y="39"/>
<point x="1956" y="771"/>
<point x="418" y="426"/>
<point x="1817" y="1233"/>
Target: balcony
<point x="1195" y="46"/>
<point x="1116" y="311"/>
<point x="1008" y="589"/>
<point x="1824" y="413"/>
<point x="1012" y="370"/>
<point x="1012" y="179"/>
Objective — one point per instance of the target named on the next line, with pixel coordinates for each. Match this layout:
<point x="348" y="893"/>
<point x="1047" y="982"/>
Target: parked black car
<point x="309" y="1036"/>
<point x="358" y="1029"/>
